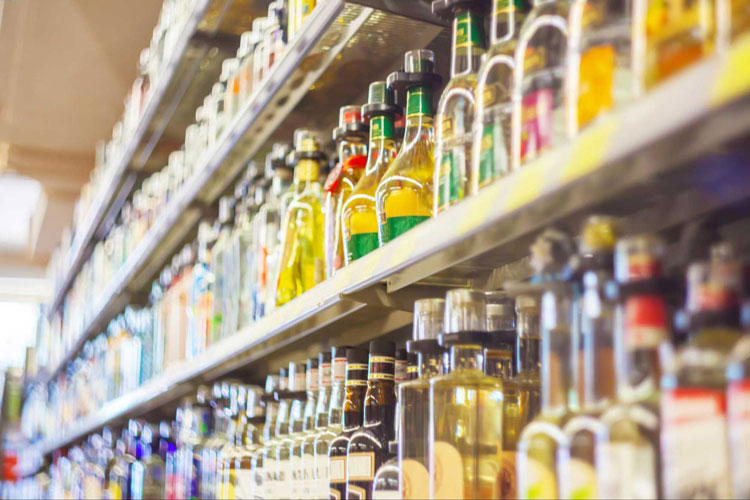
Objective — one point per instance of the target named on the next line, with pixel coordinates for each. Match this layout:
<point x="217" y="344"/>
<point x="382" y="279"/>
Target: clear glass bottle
<point x="273" y="44"/>
<point x="201" y="295"/>
<point x="221" y="268"/>
<point x="235" y="422"/>
<point x="466" y="406"/>
<point x="404" y="196"/>
<point x="244" y="234"/>
<point x="413" y="399"/>
<point x="261" y="454"/>
<point x="501" y="322"/>
<point x="281" y="429"/>
<point x="350" y="137"/>
<point x="147" y="480"/>
<point x="286" y="460"/>
<point x="297" y="450"/>
<point x="246" y="63"/>
<point x="455" y="114"/>
<point x="491" y="154"/>
<point x="313" y="429"/>
<point x="359" y="221"/>
<point x="302" y="264"/>
<point x="385" y="486"/>
<point x="352" y="419"/>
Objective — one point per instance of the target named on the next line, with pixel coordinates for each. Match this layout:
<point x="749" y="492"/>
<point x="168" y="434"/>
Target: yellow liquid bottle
<point x="359" y="219"/>
<point x="302" y="264"/>
<point x="403" y="198"/>
<point x="455" y="114"/>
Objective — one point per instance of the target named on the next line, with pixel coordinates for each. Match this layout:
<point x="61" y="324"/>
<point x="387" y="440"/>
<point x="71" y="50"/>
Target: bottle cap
<point x="639" y="258"/>
<point x="306" y="145"/>
<point x="526" y="303"/>
<point x="465" y="311"/>
<point x="228" y="68"/>
<point x="500" y="311"/>
<point x="325" y="357"/>
<point x="226" y="205"/>
<point x="356" y="355"/>
<point x="351" y="127"/>
<point x="382" y="348"/>
<point x="429" y="318"/>
<point x="419" y="69"/>
<point x="599" y="234"/>
<point x="380" y="101"/>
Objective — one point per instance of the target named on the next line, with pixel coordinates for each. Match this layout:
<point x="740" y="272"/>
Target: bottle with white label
<point x="695" y="448"/>
<point x="286" y="461"/>
<point x="225" y="471"/>
<point x="353" y="412"/>
<point x="258" y="461"/>
<point x="281" y="429"/>
<point x="243" y="484"/>
<point x="414" y="399"/>
<point x="466" y="406"/>
<point x="330" y="420"/>
<point x="300" y="466"/>
<point x="368" y="447"/>
<point x="642" y="347"/>
<point x="315" y="426"/>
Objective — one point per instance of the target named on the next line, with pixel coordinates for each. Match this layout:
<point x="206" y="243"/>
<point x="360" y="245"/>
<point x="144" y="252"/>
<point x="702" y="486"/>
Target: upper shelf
<point x="659" y="162"/>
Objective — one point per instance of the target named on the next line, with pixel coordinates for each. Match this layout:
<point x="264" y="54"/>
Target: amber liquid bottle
<point x="368" y="447"/>
<point x="356" y="387"/>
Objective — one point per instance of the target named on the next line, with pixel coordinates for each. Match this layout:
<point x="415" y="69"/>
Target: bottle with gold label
<point x="491" y="154"/>
<point x="543" y="448"/>
<point x="359" y="216"/>
<point x="403" y="198"/>
<point x="455" y="114"/>
<point x="539" y="98"/>
<point x="466" y="407"/>
<point x="350" y="137"/>
<point x="352" y="418"/>
<point x="302" y="264"/>
<point x="641" y="349"/>
<point x="368" y="448"/>
<point x="413" y="398"/>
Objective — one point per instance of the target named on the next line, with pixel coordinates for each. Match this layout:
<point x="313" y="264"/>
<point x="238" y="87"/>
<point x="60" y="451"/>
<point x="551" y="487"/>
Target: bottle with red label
<point x="694" y="438"/>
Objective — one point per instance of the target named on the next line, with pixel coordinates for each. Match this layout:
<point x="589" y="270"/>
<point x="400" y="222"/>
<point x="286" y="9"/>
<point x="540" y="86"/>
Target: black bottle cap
<point x="312" y="363"/>
<point x="326" y="356"/>
<point x="356" y="355"/>
<point x="382" y="348"/>
<point x="480" y="338"/>
<point x="401" y="354"/>
<point x="419" y="69"/>
<point x="425" y="346"/>
<point x="446" y="9"/>
<point x="339" y="351"/>
<point x="380" y="101"/>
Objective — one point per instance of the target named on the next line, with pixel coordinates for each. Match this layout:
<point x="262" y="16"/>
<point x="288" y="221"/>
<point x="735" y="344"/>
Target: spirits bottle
<point x="242" y="482"/>
<point x="117" y="475"/>
<point x="385" y="486"/>
<point x="466" y="406"/>
<point x="413" y="399"/>
<point x="352" y="418"/>
<point x="147" y="480"/>
<point x="259" y="462"/>
<point x="281" y="429"/>
<point x="225" y="460"/>
<point x="201" y="295"/>
<point x="543" y="448"/>
<point x="641" y="349"/>
<point x="539" y="97"/>
<point x="491" y="154"/>
<point x="218" y="267"/>
<point x="403" y="198"/>
<point x="359" y="216"/>
<point x="286" y="460"/>
<point x="313" y="429"/>
<point x="400" y="367"/>
<point x="350" y="137"/>
<point x="455" y="114"/>
<point x="334" y="426"/>
<point x="694" y="438"/>
<point x="501" y="322"/>
<point x="368" y="447"/>
<point x="297" y="451"/>
<point x="246" y="63"/>
<point x="302" y="263"/>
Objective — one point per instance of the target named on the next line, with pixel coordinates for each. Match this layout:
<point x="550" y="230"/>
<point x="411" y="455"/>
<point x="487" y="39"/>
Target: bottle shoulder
<point x="467" y="379"/>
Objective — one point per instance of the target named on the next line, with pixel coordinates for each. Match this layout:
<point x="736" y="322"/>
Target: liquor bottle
<point x="455" y="114"/>
<point x="368" y="447"/>
<point x="297" y="452"/>
<point x="543" y="448"/>
<point x="501" y="322"/>
<point x="316" y="426"/>
<point x="491" y="154"/>
<point x="350" y="138"/>
<point x="262" y="453"/>
<point x="329" y="432"/>
<point x="270" y="449"/>
<point x="131" y="437"/>
<point x="286" y="460"/>
<point x="302" y="263"/>
<point x="201" y="294"/>
<point x="168" y="452"/>
<point x="272" y="47"/>
<point x="694" y="438"/>
<point x="400" y="367"/>
<point x="413" y="399"/>
<point x="587" y="433"/>
<point x="641" y="349"/>
<point x="117" y="475"/>
<point x="245" y="247"/>
<point x="466" y="406"/>
<point x="238" y="480"/>
<point x="246" y="62"/>
<point x="403" y="198"/>
<point x="359" y="216"/>
<point x="147" y="479"/>
<point x="352" y="419"/>
<point x="412" y="367"/>
<point x="220" y="264"/>
<point x="539" y="99"/>
<point x="235" y="421"/>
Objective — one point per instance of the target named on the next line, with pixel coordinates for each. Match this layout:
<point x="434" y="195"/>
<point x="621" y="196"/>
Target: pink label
<point x="537" y="124"/>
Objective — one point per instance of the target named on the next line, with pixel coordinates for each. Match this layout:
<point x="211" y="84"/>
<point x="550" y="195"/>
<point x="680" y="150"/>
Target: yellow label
<point x="596" y="70"/>
<point x="405" y="202"/>
<point x="381" y="376"/>
<point x="363" y="222"/>
<point x="589" y="150"/>
<point x="582" y="480"/>
<point x="356" y="383"/>
<point x="382" y="359"/>
<point x="449" y="471"/>
<point x="356" y="366"/>
<point x="415" y="480"/>
<point x="733" y="79"/>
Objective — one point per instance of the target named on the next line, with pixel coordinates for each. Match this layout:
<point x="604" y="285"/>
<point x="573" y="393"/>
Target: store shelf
<point x="209" y="36"/>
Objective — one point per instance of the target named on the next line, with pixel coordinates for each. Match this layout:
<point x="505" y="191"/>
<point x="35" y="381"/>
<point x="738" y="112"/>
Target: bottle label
<point x="449" y="471"/>
<point x="313" y="380"/>
<point x="596" y="75"/>
<point x="308" y="474"/>
<point x="325" y="375"/>
<point x="339" y="370"/>
<point x="396" y="226"/>
<point x="355" y="492"/>
<point x="244" y="484"/>
<point x="694" y="443"/>
<point x="738" y="410"/>
<point x="537" y="122"/>
<point x="582" y="480"/>
<point x="381" y="128"/>
<point x="321" y="476"/>
<point x="632" y="471"/>
<point x="400" y="371"/>
<point x="361" y="244"/>
<point x="415" y="480"/>
<point x="419" y="102"/>
<point x="535" y="479"/>
<point x="450" y="187"/>
<point x="299" y="381"/>
<point x="381" y="376"/>
<point x="356" y="367"/>
<point x="645" y="322"/>
<point x="469" y="31"/>
<point x="360" y="467"/>
<point x="337" y="470"/>
<point x="270" y="483"/>
<point x="291" y="478"/>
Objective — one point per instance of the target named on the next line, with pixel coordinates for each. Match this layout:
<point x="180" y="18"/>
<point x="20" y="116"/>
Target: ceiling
<point x="65" y="69"/>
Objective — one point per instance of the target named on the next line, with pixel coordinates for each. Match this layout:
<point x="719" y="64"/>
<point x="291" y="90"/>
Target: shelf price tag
<point x="733" y="79"/>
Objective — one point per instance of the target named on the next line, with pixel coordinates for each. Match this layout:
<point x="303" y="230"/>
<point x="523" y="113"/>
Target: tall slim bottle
<point x="281" y="426"/>
<point x="314" y="428"/>
<point x="297" y="455"/>
<point x="404" y="196"/>
<point x="260" y="455"/>
<point x="455" y="114"/>
<point x="413" y="398"/>
<point x="368" y="447"/>
<point x="352" y="418"/>
<point x="219" y="266"/>
<point x="286" y="460"/>
<point x="359" y="216"/>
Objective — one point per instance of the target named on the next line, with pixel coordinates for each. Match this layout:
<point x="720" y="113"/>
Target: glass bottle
<point x="117" y="474"/>
<point x="270" y="450"/>
<point x="350" y="137"/>
<point x="302" y="263"/>
<point x="245" y="246"/>
<point x="273" y="45"/>
<point x="491" y="154"/>
<point x="334" y="426"/>
<point x="413" y="399"/>
<point x="148" y="477"/>
<point x="235" y="413"/>
<point x="694" y="438"/>
<point x="259" y="461"/>
<point x="297" y="452"/>
<point x="359" y="216"/>
<point x="168" y="452"/>
<point x="466" y="406"/>
<point x="317" y="425"/>
<point x="242" y="482"/>
<point x="246" y="63"/>
<point x="501" y="322"/>
<point x="400" y="367"/>
<point x="286" y="460"/>
<point x="539" y="96"/>
<point x="220" y="265"/>
<point x="352" y="419"/>
<point x="455" y="114"/>
<point x="368" y="447"/>
<point x="385" y="485"/>
<point x="404" y="197"/>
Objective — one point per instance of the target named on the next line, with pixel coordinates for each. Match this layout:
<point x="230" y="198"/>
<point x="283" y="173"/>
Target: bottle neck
<point x="557" y="353"/>
<point x="466" y="357"/>
<point x="380" y="389"/>
<point x="382" y="144"/>
<point x="323" y="404"/>
<point x="347" y="149"/>
<point x="306" y="173"/>
<point x="353" y="410"/>
<point x="507" y="17"/>
<point x="418" y="115"/>
<point x="468" y="42"/>
<point x="598" y="384"/>
<point x="281" y="183"/>
<point x="527" y="348"/>
<point x="269" y="428"/>
<point x="430" y="364"/>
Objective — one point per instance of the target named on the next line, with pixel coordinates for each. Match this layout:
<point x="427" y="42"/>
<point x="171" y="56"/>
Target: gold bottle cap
<point x="599" y="234"/>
